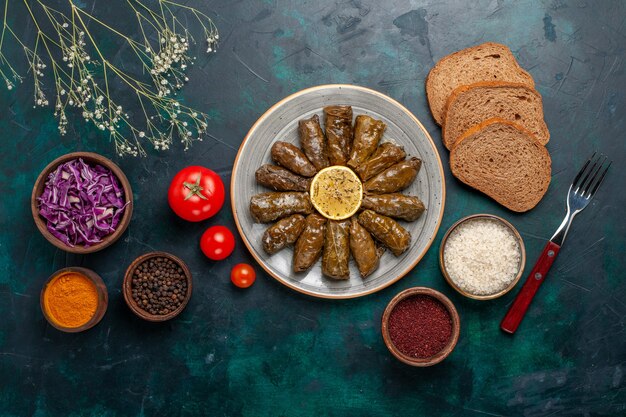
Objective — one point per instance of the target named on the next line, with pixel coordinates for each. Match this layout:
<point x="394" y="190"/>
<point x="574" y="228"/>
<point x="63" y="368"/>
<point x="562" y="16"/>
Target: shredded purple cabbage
<point x="82" y="203"/>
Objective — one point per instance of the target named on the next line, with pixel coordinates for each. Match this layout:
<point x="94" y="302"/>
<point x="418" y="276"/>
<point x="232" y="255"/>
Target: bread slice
<point x="472" y="104"/>
<point x="504" y="161"/>
<point x="486" y="62"/>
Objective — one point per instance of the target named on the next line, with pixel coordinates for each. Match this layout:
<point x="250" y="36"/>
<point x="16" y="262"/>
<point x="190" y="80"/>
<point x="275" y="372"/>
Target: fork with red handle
<point x="581" y="191"/>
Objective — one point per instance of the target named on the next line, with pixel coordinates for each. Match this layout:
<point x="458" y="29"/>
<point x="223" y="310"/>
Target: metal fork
<point x="581" y="191"/>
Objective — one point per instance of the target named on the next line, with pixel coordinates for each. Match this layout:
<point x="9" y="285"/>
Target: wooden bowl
<point x="128" y="291"/>
<point x="513" y="230"/>
<point x="103" y="299"/>
<point x="92" y="158"/>
<point x="442" y="354"/>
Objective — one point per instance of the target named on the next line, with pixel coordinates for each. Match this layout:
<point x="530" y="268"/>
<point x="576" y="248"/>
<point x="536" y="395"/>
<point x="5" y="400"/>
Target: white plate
<point x="280" y="122"/>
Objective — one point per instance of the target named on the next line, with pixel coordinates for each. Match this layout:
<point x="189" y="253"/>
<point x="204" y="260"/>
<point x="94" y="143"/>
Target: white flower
<point x="142" y="134"/>
<point x="65" y="25"/>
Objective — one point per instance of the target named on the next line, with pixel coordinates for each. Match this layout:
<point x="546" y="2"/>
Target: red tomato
<point x="217" y="243"/>
<point x="242" y="275"/>
<point x="196" y="193"/>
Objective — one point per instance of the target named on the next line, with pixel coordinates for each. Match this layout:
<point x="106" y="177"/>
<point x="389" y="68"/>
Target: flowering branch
<point x="83" y="75"/>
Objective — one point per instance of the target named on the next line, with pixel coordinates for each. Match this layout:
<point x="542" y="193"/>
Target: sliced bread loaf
<point x="472" y="104"/>
<point x="504" y="161"/>
<point x="486" y="62"/>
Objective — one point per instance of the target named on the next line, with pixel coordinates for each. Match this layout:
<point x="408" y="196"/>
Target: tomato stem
<point x="194" y="189"/>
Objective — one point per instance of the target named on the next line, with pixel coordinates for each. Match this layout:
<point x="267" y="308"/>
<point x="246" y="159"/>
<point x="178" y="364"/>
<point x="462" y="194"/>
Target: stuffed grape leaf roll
<point x="386" y="230"/>
<point x="281" y="179"/>
<point x="363" y="248"/>
<point x="291" y="157"/>
<point x="386" y="155"/>
<point x="336" y="255"/>
<point x="310" y="243"/>
<point x="313" y="141"/>
<point x="282" y="233"/>
<point x="367" y="134"/>
<point x="395" y="178"/>
<point x="399" y="206"/>
<point x="267" y="207"/>
<point x="338" y="126"/>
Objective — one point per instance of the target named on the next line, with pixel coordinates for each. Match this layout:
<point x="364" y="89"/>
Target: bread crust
<point x="475" y="129"/>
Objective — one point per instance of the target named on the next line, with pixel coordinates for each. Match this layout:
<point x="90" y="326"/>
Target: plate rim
<point x="259" y="261"/>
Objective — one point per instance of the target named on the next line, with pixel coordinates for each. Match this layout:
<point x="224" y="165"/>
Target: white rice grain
<point x="482" y="256"/>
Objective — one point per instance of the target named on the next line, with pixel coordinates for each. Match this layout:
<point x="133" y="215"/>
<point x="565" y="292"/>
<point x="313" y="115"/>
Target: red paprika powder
<point x="420" y="326"/>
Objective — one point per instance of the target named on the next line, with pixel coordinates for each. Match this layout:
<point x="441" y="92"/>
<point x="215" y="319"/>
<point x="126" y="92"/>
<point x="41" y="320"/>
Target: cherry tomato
<point x="196" y="193"/>
<point x="242" y="275"/>
<point x="217" y="243"/>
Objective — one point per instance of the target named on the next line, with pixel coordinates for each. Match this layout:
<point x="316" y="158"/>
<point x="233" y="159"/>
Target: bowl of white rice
<point x="482" y="256"/>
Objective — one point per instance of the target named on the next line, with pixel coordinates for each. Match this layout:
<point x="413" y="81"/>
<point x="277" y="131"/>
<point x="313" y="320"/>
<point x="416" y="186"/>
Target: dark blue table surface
<point x="268" y="351"/>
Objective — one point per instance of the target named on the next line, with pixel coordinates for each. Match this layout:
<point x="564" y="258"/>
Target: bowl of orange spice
<point x="74" y="299"/>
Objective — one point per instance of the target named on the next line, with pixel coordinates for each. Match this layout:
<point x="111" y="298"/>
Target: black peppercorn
<point x="159" y="286"/>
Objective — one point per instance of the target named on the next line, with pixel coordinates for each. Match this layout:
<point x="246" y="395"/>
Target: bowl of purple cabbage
<point x="82" y="202"/>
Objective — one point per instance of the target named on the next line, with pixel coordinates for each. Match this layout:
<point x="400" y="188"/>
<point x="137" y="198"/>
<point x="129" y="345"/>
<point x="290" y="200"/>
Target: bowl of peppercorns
<point x="157" y="286"/>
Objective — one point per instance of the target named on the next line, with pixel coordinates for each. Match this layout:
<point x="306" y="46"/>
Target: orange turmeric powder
<point x="71" y="299"/>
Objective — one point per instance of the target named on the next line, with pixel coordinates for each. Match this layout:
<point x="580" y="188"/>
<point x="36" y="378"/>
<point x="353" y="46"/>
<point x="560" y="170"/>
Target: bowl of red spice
<point x="420" y="326"/>
<point x="157" y="286"/>
<point x="74" y="299"/>
<point x="82" y="202"/>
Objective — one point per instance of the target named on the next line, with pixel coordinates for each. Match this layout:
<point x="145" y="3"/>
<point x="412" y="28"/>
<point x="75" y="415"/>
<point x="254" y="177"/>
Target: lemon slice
<point x="336" y="192"/>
